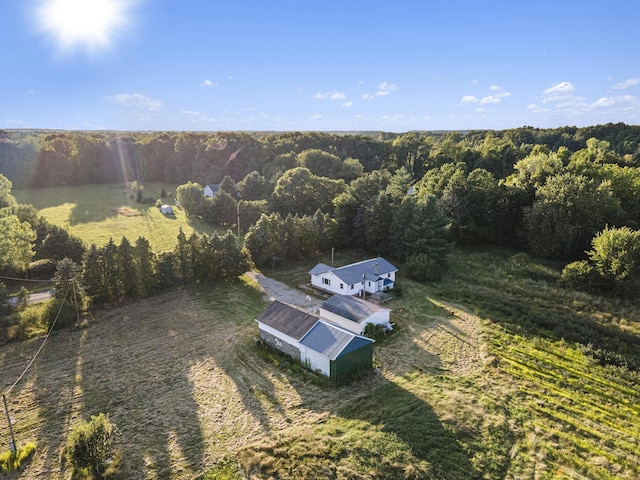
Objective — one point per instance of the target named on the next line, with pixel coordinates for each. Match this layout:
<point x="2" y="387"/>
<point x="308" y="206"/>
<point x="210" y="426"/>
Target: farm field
<point x="473" y="384"/>
<point x="96" y="213"/>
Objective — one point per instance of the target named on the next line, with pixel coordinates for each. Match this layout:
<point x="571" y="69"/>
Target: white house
<point x="211" y="190"/>
<point x="373" y="275"/>
<point x="354" y="313"/>
<point x="282" y="326"/>
<point x="335" y="351"/>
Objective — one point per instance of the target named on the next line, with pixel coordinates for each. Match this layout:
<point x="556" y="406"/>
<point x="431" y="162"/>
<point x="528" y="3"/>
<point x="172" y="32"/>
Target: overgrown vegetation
<point x="10" y="461"/>
<point x="91" y="447"/>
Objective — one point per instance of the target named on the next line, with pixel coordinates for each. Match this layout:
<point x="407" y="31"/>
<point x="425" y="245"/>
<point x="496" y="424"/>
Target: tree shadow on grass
<point x="139" y="377"/>
<point x="413" y="420"/>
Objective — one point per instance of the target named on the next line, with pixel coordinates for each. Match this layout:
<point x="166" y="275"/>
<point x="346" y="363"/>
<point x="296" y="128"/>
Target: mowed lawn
<point x="96" y="213"/>
<point x="464" y="388"/>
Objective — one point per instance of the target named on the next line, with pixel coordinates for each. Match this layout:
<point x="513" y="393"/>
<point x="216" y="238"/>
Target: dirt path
<point x="276" y="290"/>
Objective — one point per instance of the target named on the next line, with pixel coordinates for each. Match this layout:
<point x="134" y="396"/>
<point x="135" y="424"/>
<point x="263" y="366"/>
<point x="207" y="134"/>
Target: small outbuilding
<point x="354" y="313"/>
<point x="282" y="326"/>
<point x="335" y="352"/>
<point x="166" y="209"/>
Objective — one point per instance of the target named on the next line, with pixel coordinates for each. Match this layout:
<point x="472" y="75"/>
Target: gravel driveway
<point x="276" y="290"/>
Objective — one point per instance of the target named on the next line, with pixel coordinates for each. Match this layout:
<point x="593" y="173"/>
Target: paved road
<point x="33" y="298"/>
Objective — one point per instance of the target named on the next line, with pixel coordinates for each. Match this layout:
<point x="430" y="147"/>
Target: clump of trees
<point x="116" y="274"/>
<point x="613" y="264"/>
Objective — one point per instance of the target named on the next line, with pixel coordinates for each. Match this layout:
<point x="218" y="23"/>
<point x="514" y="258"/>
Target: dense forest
<point x="568" y="193"/>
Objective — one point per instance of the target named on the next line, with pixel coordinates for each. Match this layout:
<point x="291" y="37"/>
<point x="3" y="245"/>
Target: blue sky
<point x="296" y="65"/>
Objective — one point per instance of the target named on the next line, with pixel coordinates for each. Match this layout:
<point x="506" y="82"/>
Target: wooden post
<point x="12" y="444"/>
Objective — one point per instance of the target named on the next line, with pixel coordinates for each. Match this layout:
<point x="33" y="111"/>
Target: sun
<point x="89" y="25"/>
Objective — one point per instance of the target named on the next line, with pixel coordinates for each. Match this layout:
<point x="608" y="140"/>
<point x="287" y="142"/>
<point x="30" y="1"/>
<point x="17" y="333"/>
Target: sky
<point x="349" y="65"/>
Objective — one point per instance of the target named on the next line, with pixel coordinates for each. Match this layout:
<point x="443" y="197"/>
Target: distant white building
<point x="166" y="209"/>
<point x="211" y="190"/>
<point x="373" y="275"/>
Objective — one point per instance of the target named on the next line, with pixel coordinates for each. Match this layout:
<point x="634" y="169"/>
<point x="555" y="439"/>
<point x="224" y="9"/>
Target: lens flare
<point x="89" y="25"/>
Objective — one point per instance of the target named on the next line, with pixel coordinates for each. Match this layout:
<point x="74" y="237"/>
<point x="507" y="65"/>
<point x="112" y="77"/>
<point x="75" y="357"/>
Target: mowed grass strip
<point x="96" y="213"/>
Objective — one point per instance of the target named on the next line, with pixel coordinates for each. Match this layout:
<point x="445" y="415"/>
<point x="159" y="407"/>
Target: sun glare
<point x="83" y="24"/>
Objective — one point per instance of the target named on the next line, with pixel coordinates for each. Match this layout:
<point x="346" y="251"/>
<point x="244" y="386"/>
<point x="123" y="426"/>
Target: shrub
<point x="90" y="445"/>
<point x="163" y="193"/>
<point x="10" y="461"/>
<point x="159" y="203"/>
<point x="424" y="268"/>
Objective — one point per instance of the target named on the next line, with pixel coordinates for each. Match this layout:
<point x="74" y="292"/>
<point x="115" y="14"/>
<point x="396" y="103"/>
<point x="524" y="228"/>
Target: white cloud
<point x="316" y="117"/>
<point x="191" y="113"/>
<point x="490" y="100"/>
<point x="469" y="99"/>
<point x="495" y="88"/>
<point x="502" y="94"/>
<point x="561" y="88"/>
<point x="386" y="87"/>
<point x="614" y="101"/>
<point x="330" y="96"/>
<point x="474" y="82"/>
<point x="347" y="104"/>
<point x="136" y="100"/>
<point x="208" y="83"/>
<point x="632" y="82"/>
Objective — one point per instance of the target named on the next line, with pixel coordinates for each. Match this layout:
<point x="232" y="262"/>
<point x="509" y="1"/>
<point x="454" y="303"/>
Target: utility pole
<point x="238" y="217"/>
<point x="12" y="444"/>
<point x="332" y="256"/>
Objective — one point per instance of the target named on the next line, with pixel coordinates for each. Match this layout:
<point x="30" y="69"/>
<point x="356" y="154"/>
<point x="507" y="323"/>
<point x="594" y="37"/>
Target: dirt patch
<point x="127" y="212"/>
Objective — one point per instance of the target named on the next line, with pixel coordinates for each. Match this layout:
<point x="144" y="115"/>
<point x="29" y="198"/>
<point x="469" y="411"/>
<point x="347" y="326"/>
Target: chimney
<point x="375" y="269"/>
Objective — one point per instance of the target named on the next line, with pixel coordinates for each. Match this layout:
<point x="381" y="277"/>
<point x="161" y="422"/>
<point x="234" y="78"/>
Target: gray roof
<point x="332" y="341"/>
<point x="352" y="308"/>
<point x="320" y="268"/>
<point x="287" y="319"/>
<point x="352" y="274"/>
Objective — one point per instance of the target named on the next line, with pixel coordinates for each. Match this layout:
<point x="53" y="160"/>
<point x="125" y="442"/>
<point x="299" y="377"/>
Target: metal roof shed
<point x="336" y="352"/>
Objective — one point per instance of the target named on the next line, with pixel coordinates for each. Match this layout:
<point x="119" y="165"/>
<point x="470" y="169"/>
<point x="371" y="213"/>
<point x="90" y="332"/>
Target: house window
<point x="326" y="281"/>
<point x="388" y="275"/>
<point x="351" y="287"/>
<point x="369" y="283"/>
<point x="341" y="286"/>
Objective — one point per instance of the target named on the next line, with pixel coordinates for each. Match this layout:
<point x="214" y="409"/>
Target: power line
<point x="41" y="346"/>
<point x="30" y="280"/>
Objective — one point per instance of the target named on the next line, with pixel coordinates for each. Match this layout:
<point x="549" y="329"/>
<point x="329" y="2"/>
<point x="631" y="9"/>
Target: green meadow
<point x="96" y="213"/>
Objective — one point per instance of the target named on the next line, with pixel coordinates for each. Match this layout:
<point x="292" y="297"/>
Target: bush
<point x="424" y="268"/>
<point x="90" y="446"/>
<point x="10" y="461"/>
<point x="583" y="276"/>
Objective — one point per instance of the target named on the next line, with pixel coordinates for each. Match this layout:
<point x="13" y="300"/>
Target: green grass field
<point x="476" y="382"/>
<point x="493" y="372"/>
<point x="96" y="213"/>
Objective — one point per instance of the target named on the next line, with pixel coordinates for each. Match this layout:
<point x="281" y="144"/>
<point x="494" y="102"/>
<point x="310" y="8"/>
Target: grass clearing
<point x="476" y="382"/>
<point x="96" y="213"/>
